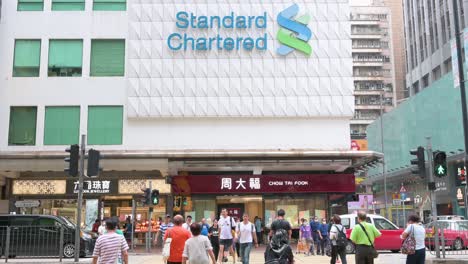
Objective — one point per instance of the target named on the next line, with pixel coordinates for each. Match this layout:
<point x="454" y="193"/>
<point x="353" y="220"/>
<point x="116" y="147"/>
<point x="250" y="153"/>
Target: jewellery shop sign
<point x="107" y="186"/>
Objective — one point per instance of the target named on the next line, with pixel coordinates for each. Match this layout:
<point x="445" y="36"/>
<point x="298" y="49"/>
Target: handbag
<point x="408" y="246"/>
<point x="167" y="246"/>
<point x="374" y="252"/>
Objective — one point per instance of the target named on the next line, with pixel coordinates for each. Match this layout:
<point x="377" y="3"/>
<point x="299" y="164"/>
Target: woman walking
<point x="338" y="240"/>
<point x="213" y="234"/>
<point x="416" y="229"/>
<point x="305" y="234"/>
<point x="198" y="248"/>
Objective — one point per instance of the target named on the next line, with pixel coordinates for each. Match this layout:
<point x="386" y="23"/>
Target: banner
<point x="260" y="184"/>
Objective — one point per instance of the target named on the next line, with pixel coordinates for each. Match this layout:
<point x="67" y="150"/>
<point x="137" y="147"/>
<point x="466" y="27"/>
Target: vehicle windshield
<point x="68" y="222"/>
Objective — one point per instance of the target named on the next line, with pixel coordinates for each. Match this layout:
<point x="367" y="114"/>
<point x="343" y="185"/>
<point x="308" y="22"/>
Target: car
<point x="40" y="236"/>
<point x="455" y="233"/>
<point x="390" y="239"/>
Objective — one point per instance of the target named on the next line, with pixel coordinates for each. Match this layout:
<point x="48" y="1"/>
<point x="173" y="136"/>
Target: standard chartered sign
<point x="293" y="35"/>
<point x="185" y="20"/>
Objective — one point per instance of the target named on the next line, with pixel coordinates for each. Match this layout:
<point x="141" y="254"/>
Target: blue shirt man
<point x="205" y="227"/>
<point x="324" y="229"/>
<point x="314" y="227"/>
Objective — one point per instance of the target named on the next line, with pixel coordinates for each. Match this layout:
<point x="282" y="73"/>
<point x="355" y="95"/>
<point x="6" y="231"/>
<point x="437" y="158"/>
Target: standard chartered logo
<point x="294" y="33"/>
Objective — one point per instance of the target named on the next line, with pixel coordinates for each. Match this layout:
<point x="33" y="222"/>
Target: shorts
<point x="227" y="243"/>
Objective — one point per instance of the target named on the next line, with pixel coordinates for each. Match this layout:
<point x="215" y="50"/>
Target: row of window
<point x="66" y="57"/>
<point x="62" y="125"/>
<point x="72" y="5"/>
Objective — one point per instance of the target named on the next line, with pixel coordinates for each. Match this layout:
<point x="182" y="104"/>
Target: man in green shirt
<point x="359" y="237"/>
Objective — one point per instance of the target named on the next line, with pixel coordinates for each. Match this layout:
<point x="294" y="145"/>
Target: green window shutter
<point x="68" y="5"/>
<point x="30" y="5"/>
<point x="27" y="58"/>
<point x="22" y="129"/>
<point x="105" y="125"/>
<point x="110" y="5"/>
<point x="65" y="57"/>
<point x="107" y="57"/>
<point x="62" y="125"/>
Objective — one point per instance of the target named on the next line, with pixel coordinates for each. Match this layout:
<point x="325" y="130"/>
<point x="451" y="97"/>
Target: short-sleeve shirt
<point x="359" y="237"/>
<point x="280" y="224"/>
<point x="419" y="234"/>
<point x="164" y="227"/>
<point x="334" y="232"/>
<point x="195" y="250"/>
<point x="109" y="248"/>
<point x="306" y="232"/>
<point x="205" y="229"/>
<point x="245" y="232"/>
<point x="258" y="225"/>
<point x="226" y="225"/>
<point x="179" y="235"/>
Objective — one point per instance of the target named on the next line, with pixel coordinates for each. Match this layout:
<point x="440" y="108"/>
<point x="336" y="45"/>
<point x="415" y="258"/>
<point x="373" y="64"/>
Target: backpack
<point x="341" y="239"/>
<point x="277" y="260"/>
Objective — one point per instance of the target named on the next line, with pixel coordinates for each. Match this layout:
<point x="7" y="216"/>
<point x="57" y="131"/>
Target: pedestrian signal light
<point x="155" y="197"/>
<point x="440" y="164"/>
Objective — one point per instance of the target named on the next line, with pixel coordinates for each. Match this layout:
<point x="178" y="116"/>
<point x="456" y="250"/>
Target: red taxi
<point x="390" y="239"/>
<point x="455" y="233"/>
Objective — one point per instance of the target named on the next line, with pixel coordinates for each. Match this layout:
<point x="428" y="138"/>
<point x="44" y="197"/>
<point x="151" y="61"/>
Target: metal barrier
<point x="35" y="242"/>
<point x="453" y="238"/>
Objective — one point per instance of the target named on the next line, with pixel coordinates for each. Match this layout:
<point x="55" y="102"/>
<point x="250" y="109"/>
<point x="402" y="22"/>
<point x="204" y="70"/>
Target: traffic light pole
<point x="433" y="196"/>
<point x="150" y="216"/>
<point x="461" y="74"/>
<point x="80" y="198"/>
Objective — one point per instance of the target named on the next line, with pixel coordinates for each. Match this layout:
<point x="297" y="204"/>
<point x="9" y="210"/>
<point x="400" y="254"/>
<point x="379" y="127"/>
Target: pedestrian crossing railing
<point x="452" y="237"/>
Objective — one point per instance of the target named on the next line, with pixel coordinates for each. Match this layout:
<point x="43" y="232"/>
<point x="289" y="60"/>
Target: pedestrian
<point x="258" y="229"/>
<point x="188" y="223"/>
<point x="178" y="235"/>
<point x="246" y="236"/>
<point x="305" y="235"/>
<point x="338" y="240"/>
<point x="110" y="248"/>
<point x="281" y="223"/>
<point x="279" y="250"/>
<point x="162" y="229"/>
<point x="236" y="239"/>
<point x="198" y="249"/>
<point x="314" y="229"/>
<point x="204" y="227"/>
<point x="102" y="228"/>
<point x="363" y="236"/>
<point x="226" y="225"/>
<point x="416" y="229"/>
<point x="96" y="226"/>
<point x="128" y="228"/>
<point x="213" y="234"/>
<point x="323" y="237"/>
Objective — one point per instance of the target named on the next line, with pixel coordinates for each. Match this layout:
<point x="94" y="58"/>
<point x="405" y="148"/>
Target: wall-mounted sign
<point x="307" y="183"/>
<point x="107" y="186"/>
<point x="461" y="174"/>
<point x="461" y="197"/>
<point x="365" y="203"/>
<point x="27" y="203"/>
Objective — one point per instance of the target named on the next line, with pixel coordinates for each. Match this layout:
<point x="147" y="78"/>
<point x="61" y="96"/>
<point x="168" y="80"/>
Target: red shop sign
<point x="258" y="184"/>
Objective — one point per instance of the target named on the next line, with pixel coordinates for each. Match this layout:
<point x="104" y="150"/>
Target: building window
<point x="107" y="57"/>
<point x="68" y="5"/>
<point x="22" y="129"/>
<point x="436" y="73"/>
<point x="65" y="57"/>
<point x="105" y="125"/>
<point x="30" y="5"/>
<point x="110" y="5"/>
<point x="27" y="58"/>
<point x="62" y="125"/>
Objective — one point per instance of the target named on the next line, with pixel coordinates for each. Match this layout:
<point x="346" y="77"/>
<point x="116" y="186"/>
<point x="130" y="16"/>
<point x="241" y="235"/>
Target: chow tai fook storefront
<point x="300" y="195"/>
<point x="103" y="197"/>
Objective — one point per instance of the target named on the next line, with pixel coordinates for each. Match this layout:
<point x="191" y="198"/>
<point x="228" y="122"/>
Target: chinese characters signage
<point x="308" y="183"/>
<point x="461" y="175"/>
<point x="93" y="186"/>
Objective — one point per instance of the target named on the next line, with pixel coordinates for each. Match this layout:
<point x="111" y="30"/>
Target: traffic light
<point x="73" y="160"/>
<point x="440" y="164"/>
<point x="146" y="197"/>
<point x="93" y="162"/>
<point x="419" y="161"/>
<point x="184" y="201"/>
<point x="155" y="197"/>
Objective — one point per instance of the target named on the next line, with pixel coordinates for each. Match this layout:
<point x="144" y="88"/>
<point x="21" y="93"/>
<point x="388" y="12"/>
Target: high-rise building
<point x="428" y="31"/>
<point x="373" y="64"/>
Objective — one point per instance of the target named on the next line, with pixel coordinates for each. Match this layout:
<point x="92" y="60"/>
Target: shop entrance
<point x="238" y="205"/>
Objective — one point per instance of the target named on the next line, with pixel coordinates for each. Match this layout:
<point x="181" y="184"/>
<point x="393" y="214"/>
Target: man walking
<point x="225" y="226"/>
<point x="163" y="228"/>
<point x="204" y="227"/>
<point x="111" y="247"/>
<point x="364" y="235"/>
<point x="314" y="228"/>
<point x="280" y="223"/>
<point x="179" y="235"/>
<point x="258" y="228"/>
<point x="188" y="223"/>
<point x="323" y="237"/>
<point x="246" y="235"/>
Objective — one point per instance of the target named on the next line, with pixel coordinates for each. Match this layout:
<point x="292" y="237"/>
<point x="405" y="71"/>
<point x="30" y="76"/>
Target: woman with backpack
<point x="278" y="250"/>
<point x="338" y="240"/>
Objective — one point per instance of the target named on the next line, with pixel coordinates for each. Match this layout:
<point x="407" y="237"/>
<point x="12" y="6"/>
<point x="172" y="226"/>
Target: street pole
<point x="133" y="223"/>
<point x="383" y="152"/>
<point x="150" y="215"/>
<point x="80" y="198"/>
<point x="433" y="195"/>
<point x="461" y="74"/>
